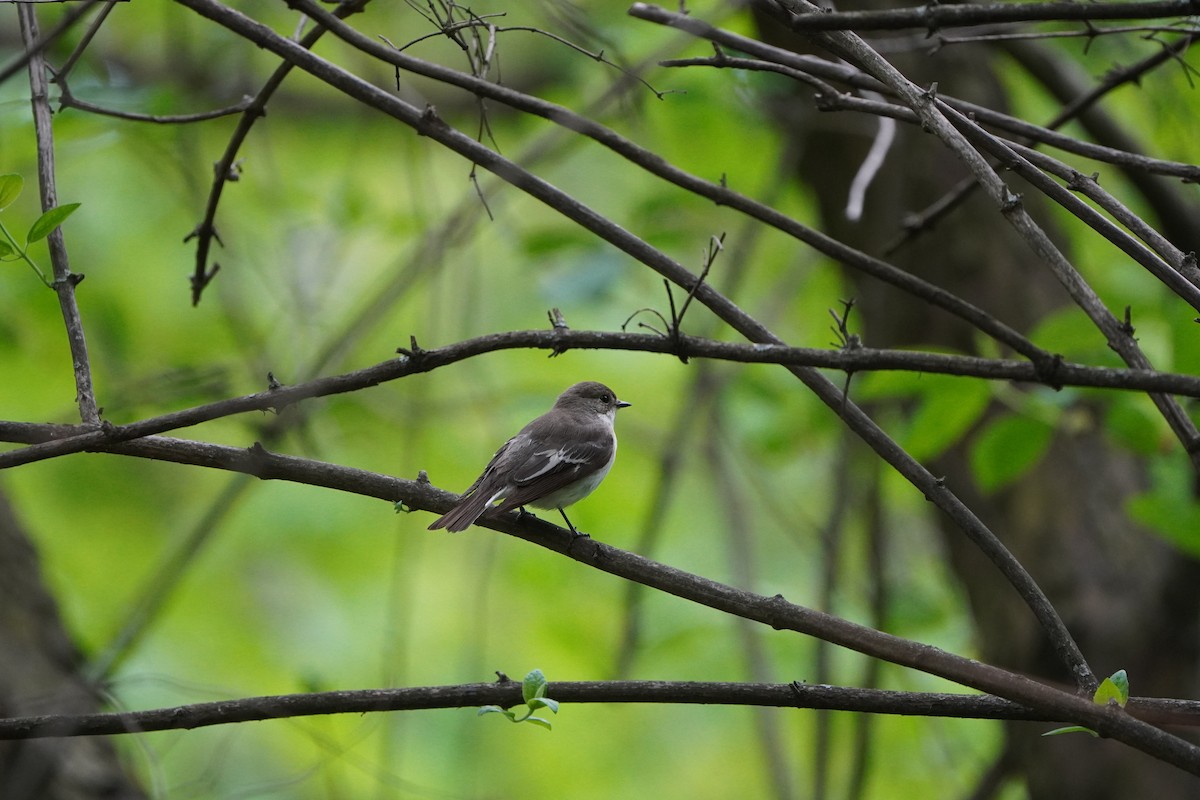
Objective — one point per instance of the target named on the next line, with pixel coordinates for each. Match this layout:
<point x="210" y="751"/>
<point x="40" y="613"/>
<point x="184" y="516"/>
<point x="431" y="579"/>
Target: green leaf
<point x="1132" y="421"/>
<point x="543" y="702"/>
<point x="10" y="189"/>
<point x="1071" y="729"/>
<point x="541" y="723"/>
<point x="946" y="407"/>
<point x="1069" y="332"/>
<point x="1113" y="689"/>
<point x="1007" y="449"/>
<point x="6" y="250"/>
<point x="1169" y="508"/>
<point x="47" y="222"/>
<point x="495" y="710"/>
<point x="534" y="685"/>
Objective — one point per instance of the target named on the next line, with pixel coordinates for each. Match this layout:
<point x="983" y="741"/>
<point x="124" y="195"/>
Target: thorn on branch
<point x="1127" y="326"/>
<point x="413" y="352"/>
<point x="502" y="678"/>
<point x="201" y="279"/>
<point x="558" y="323"/>
<point x="72" y="279"/>
<point x="273" y="384"/>
<point x="258" y="459"/>
<point x="848" y="342"/>
<point x="1189" y="270"/>
<point x="429" y="119"/>
<point x="845" y="339"/>
<point x="1012" y="201"/>
<point x="1048" y="369"/>
<point x="1076" y="182"/>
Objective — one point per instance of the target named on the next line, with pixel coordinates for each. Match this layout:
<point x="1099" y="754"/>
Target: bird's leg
<point x="574" y="532"/>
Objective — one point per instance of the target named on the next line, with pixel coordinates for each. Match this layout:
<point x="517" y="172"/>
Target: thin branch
<point x="1150" y="255"/>
<point x="68" y="100"/>
<point x="934" y="16"/>
<point x="953" y="128"/>
<point x="863" y="80"/>
<point x="508" y="693"/>
<point x="36" y="47"/>
<point x="225" y="170"/>
<point x="1090" y="33"/>
<point x="858" y="359"/>
<point x="64" y="280"/>
<point x="1119" y="335"/>
<point x="84" y="41"/>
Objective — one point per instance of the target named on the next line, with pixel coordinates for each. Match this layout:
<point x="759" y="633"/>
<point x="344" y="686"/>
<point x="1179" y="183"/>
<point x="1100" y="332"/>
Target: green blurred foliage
<point x="346" y="235"/>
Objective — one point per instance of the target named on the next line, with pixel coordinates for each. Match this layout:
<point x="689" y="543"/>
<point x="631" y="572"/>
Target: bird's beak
<point x="623" y="404"/>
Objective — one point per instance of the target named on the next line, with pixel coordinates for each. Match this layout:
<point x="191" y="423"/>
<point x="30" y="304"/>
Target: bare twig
<point x="64" y="280"/>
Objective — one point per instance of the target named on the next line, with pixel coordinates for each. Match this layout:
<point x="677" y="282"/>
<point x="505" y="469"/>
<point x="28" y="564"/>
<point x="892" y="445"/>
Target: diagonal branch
<point x="774" y="611"/>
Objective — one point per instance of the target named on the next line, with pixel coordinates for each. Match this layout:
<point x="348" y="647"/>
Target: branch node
<point x="71" y="279"/>
<point x="258" y="456"/>
<point x="559" y="324"/>
<point x="1127" y="325"/>
<point x="1048" y="369"/>
<point x="413" y="352"/>
<point x="200" y="281"/>
<point x="429" y="119"/>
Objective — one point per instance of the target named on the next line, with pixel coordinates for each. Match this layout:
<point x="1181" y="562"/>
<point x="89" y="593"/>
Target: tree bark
<point x="40" y="674"/>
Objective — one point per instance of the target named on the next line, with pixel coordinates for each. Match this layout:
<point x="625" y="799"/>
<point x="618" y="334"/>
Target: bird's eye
<point x="606" y="399"/>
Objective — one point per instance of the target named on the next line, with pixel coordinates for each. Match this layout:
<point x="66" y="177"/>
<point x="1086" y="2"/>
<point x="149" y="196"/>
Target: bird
<point x="556" y="460"/>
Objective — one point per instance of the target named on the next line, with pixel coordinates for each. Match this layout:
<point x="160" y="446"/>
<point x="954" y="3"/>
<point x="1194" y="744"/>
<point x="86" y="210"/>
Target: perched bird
<point x="556" y="460"/>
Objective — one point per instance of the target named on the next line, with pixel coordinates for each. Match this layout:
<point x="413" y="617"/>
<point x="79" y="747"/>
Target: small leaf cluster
<point x="1113" y="689"/>
<point x="533" y="691"/>
<point x="10" y="250"/>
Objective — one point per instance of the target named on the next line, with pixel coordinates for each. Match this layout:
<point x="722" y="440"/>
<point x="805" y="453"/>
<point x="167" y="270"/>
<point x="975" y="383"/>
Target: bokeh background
<point x="345" y="235"/>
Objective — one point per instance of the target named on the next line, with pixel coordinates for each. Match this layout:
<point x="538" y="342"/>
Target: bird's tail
<point x="463" y="515"/>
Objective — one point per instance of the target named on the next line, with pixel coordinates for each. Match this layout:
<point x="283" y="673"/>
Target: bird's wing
<point x="544" y="472"/>
<point x="480" y="494"/>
